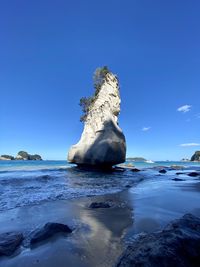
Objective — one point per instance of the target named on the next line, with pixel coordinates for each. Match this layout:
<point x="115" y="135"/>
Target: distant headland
<point x="21" y="155"/>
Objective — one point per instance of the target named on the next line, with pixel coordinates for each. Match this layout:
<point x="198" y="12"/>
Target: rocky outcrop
<point x="102" y="142"/>
<point x="196" y="156"/>
<point x="177" y="245"/>
<point x="6" y="157"/>
<point x="23" y="155"/>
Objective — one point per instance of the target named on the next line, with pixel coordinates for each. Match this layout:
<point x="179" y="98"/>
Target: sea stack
<point x="102" y="143"/>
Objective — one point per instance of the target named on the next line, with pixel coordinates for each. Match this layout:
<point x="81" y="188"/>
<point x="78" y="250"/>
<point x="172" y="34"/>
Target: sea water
<point x="33" y="182"/>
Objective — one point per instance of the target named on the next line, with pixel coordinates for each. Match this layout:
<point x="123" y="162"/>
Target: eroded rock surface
<point x="177" y="245"/>
<point x="102" y="142"/>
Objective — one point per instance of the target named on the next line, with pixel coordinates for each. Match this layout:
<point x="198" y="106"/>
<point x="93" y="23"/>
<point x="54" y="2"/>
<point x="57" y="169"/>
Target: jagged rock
<point x="97" y="205"/>
<point x="177" y="245"/>
<point x="196" y="156"/>
<point x="9" y="242"/>
<point x="102" y="142"/>
<point x="47" y="231"/>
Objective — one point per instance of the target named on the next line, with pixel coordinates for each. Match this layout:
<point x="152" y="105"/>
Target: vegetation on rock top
<point x="86" y="102"/>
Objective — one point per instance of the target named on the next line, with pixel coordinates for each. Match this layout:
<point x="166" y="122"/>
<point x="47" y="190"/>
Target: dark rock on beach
<point x="194" y="174"/>
<point x="97" y="205"/>
<point x="9" y="242"/>
<point x="177" y="245"/>
<point x="47" y="231"/>
<point x="162" y="171"/>
<point x="178" y="179"/>
<point x="180" y="173"/>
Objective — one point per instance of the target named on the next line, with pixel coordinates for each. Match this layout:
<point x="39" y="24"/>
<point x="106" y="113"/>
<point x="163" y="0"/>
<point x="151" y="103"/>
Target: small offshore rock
<point x="119" y="169"/>
<point x="162" y="171"/>
<point x="97" y="205"/>
<point x="135" y="170"/>
<point x="49" y="230"/>
<point x="193" y="174"/>
<point x="177" y="245"/>
<point x="9" y="242"/>
<point x="180" y="173"/>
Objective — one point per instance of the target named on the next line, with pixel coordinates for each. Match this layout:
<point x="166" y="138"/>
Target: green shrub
<point x="86" y="102"/>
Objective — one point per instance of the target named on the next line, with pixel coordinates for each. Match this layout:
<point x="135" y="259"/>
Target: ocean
<point x="25" y="183"/>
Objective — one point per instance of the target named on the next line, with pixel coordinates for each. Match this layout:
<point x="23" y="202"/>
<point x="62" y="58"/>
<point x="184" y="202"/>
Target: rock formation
<point x="196" y="156"/>
<point x="102" y="142"/>
<point x="177" y="245"/>
<point x="6" y="157"/>
<point x="22" y="155"/>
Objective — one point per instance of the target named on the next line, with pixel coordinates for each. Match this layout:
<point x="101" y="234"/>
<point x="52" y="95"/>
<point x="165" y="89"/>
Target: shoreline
<point x="100" y="236"/>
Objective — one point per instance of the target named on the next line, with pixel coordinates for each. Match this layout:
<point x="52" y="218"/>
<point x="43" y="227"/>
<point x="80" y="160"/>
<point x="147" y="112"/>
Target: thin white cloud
<point x="184" y="108"/>
<point x="198" y="116"/>
<point x="189" y="144"/>
<point x="145" y="129"/>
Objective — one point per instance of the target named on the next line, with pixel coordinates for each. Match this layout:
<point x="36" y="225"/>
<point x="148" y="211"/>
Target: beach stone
<point x="47" y="231"/>
<point x="194" y="174"/>
<point x="9" y="242"/>
<point x="97" y="205"/>
<point x="162" y="171"/>
<point x="180" y="173"/>
<point x="178" y="179"/>
<point x="102" y="143"/>
<point x="177" y="245"/>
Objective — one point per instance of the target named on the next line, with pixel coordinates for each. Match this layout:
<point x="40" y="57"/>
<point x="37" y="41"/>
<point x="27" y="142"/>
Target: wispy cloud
<point x="198" y="116"/>
<point x="189" y="144"/>
<point x="145" y="129"/>
<point x="184" y="108"/>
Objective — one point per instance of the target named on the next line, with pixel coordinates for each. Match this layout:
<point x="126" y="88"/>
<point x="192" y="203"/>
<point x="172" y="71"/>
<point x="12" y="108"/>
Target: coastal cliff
<point x="102" y="142"/>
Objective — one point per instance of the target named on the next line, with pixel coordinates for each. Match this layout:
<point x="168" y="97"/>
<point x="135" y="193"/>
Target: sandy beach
<point x="100" y="235"/>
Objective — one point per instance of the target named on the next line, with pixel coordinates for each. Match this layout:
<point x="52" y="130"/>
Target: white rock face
<point x="102" y="142"/>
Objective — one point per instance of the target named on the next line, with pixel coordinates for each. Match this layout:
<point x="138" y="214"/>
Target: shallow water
<point x="33" y="182"/>
<point x="146" y="201"/>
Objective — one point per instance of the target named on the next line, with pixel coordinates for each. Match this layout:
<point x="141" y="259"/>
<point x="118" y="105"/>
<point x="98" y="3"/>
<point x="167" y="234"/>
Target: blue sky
<point x="50" y="49"/>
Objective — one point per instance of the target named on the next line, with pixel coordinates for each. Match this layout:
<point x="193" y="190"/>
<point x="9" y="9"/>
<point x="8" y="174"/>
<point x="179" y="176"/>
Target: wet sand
<point x="100" y="235"/>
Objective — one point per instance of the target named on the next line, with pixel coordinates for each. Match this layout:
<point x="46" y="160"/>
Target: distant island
<point x="136" y="159"/>
<point x="21" y="155"/>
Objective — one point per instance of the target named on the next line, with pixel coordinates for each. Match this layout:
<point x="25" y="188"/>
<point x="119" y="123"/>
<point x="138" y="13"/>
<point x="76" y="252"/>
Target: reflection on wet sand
<point x="96" y="240"/>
